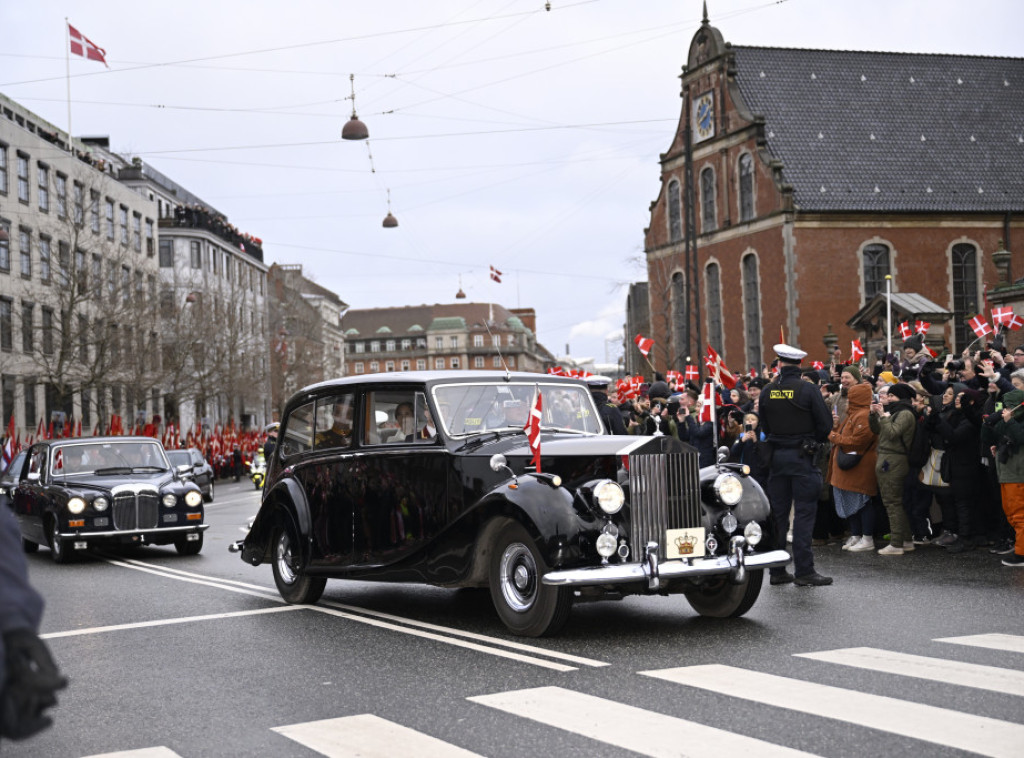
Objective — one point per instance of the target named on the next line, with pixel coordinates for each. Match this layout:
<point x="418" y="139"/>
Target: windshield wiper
<point x="113" y="470"/>
<point x="491" y="435"/>
<point x="148" y="468"/>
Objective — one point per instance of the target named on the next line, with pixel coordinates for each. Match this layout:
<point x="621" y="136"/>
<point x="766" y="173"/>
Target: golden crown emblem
<point x="685" y="544"/>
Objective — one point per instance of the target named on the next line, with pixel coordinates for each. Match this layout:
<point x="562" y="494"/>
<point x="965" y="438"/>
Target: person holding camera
<point x="751" y="449"/>
<point x="1003" y="433"/>
<point x="700" y="434"/>
<point x="796" y="422"/>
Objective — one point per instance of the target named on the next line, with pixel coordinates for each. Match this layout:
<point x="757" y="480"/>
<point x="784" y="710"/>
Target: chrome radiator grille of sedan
<point x="664" y="493"/>
<point x="136" y="510"/>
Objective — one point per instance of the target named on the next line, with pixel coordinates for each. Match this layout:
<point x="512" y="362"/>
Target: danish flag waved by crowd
<point x="643" y="344"/>
<point x="717" y="369"/>
<point x="85" y="47"/>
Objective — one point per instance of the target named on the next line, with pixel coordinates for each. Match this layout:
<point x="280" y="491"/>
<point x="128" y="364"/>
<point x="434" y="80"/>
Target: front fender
<point x="285" y="500"/>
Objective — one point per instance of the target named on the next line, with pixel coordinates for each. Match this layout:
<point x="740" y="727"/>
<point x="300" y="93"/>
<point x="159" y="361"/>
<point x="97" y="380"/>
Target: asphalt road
<point x="173" y="656"/>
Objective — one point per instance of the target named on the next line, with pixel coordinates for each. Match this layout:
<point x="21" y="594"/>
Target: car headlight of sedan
<point x="192" y="499"/>
<point x="76" y="505"/>
<point x="728" y="489"/>
<point x="169" y="500"/>
<point x="752" y="532"/>
<point x="609" y="496"/>
<point x="101" y="503"/>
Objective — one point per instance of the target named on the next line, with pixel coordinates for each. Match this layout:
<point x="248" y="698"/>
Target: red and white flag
<point x="817" y="365"/>
<point x="533" y="431"/>
<point x="82" y="45"/>
<point x="921" y="327"/>
<point x="979" y="326"/>
<point x="1015" y="323"/>
<point x="692" y="374"/>
<point x="905" y="330"/>
<point x="643" y="344"/>
<point x="709" y="399"/>
<point x="9" y="452"/>
<point x="496" y="275"/>
<point x="716" y="367"/>
<point x="927" y="351"/>
<point x="856" y="351"/>
<point x="1001" y="315"/>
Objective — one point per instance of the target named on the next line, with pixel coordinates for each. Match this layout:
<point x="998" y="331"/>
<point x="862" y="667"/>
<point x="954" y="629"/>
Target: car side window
<point x="298" y="431"/>
<point x="37" y="462"/>
<point x="390" y="417"/>
<point x="334" y="415"/>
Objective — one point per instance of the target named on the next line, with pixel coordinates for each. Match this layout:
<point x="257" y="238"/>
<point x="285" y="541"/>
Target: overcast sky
<point x="509" y="136"/>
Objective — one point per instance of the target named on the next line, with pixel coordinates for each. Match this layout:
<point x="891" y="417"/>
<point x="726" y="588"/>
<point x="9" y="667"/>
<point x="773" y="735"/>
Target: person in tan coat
<point x="854" y="487"/>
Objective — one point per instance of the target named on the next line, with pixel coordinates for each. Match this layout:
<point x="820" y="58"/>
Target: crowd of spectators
<point x="963" y="493"/>
<point x="198" y="217"/>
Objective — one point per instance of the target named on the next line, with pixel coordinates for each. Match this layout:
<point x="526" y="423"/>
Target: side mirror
<point x="499" y="463"/>
<point x="184" y="468"/>
<point x="723" y="454"/>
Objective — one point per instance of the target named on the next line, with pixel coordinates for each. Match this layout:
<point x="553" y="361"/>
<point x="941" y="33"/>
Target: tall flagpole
<point x="888" y="313"/>
<point x="67" y="74"/>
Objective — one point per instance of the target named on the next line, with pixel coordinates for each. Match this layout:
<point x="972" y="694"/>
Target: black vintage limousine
<point x="427" y="477"/>
<point x="76" y="494"/>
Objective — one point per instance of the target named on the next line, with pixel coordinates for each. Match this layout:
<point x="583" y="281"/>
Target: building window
<point x="746" y="187"/>
<point x="96" y="273"/>
<point x="3" y="169"/>
<point x="166" y="254"/>
<point x="25" y="251"/>
<point x="47" y="330"/>
<point x="478" y="362"/>
<point x="496" y="361"/>
<point x="421" y="364"/>
<point x="64" y="263"/>
<point x="23" y="178"/>
<point x="390" y="346"/>
<point x="108" y="210"/>
<point x="359" y="367"/>
<point x="675" y="213"/>
<point x="707" y="200"/>
<point x="5" y="250"/>
<point x="195" y="254"/>
<point x="61" y="183"/>
<point x="439" y="363"/>
<point x="511" y="340"/>
<point x="43" y="175"/>
<point x="405" y="365"/>
<point x="360" y="347"/>
<point x="677" y="303"/>
<point x="752" y="310"/>
<point x="714" y="287"/>
<point x="6" y="325"/>
<point x="81" y="272"/>
<point x="439" y="343"/>
<point x="511" y="361"/>
<point x="374" y="367"/>
<point x="149" y="237"/>
<point x="454" y="363"/>
<point x="406" y="344"/>
<point x="44" y="260"/>
<point x="876" y="268"/>
<point x="123" y="218"/>
<point x="78" y="201"/>
<point x="94" y="211"/>
<point x="126" y="284"/>
<point x="478" y="340"/>
<point x="28" y="317"/>
<point x="30" y="402"/>
<point x="374" y="346"/>
<point x="137" y="232"/>
<point x="453" y="341"/>
<point x="965" y="292"/>
<point x="389" y="366"/>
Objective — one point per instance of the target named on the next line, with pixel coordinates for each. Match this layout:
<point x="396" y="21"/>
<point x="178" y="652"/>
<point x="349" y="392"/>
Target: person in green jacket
<point x="894" y="424"/>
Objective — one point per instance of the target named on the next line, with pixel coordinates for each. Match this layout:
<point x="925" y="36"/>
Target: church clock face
<point x="704" y="117"/>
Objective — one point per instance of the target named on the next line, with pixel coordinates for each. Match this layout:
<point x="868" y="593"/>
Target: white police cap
<point x="597" y="381"/>
<point x="789" y="353"/>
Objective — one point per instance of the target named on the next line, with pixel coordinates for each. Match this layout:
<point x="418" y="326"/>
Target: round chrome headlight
<point x="606" y="545"/>
<point x="752" y="532"/>
<point x="729" y="523"/>
<point x="728" y="489"/>
<point x="609" y="496"/>
<point x="100" y="503"/>
<point x="169" y="500"/>
<point x="192" y="499"/>
<point x="76" y="505"/>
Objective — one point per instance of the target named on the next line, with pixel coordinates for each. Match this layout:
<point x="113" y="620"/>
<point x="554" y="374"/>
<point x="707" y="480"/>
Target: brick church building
<point x="798" y="180"/>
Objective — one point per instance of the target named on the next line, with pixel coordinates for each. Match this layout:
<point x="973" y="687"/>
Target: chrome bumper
<point x="79" y="535"/>
<point x="651" y="571"/>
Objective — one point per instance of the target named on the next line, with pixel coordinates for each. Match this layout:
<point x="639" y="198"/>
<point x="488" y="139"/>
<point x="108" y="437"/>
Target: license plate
<point x="193" y="537"/>
<point x="684" y="543"/>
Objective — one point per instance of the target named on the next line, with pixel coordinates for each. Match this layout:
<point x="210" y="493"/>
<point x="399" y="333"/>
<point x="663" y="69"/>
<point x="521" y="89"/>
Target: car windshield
<point x="179" y="457"/>
<point x="473" y="408"/>
<point x="107" y="458"/>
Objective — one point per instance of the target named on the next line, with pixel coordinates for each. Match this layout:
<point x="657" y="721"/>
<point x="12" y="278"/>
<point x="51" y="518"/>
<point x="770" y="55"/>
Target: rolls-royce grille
<point x="133" y="511"/>
<point x="664" y="493"/>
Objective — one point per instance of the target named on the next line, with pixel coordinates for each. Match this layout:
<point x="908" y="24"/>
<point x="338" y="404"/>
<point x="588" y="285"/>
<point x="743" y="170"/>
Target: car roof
<point x="109" y="439"/>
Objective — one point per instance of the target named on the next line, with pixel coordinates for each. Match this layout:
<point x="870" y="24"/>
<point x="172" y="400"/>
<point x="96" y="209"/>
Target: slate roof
<point x="882" y="132"/>
<point x="408" y="319"/>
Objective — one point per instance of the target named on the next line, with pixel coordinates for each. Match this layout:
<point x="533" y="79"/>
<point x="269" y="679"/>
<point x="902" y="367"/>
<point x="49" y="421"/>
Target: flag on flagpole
<point x="717" y="369"/>
<point x="533" y="430"/>
<point x="817" y="365"/>
<point x="927" y="351"/>
<point x="921" y="327"/>
<point x="85" y="47"/>
<point x="709" y="399"/>
<point x="1001" y="315"/>
<point x="692" y="374"/>
<point x="1015" y="323"/>
<point x="856" y="351"/>
<point x="905" y="330"/>
<point x="496" y="275"/>
<point x="979" y="326"/>
<point x="643" y="344"/>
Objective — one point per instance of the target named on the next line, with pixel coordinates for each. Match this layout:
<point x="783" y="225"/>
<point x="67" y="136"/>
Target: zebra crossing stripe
<point x="368" y="736"/>
<point x="1010" y="643"/>
<point x="628" y="727"/>
<point x="146" y="752"/>
<point x="992" y="678"/>
<point x="975" y="734"/>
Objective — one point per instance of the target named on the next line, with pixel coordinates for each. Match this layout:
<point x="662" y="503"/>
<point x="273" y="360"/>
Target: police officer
<point x="610" y="416"/>
<point x="29" y="678"/>
<point x="795" y="421"/>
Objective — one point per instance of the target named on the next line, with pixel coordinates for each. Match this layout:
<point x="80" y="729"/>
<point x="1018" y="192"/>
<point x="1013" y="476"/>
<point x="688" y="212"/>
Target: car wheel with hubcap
<point x="721" y="599"/>
<point x="58" y="547"/>
<point x="525" y="605"/>
<point x="294" y="587"/>
<point x="185" y="546"/>
<point x="208" y="497"/>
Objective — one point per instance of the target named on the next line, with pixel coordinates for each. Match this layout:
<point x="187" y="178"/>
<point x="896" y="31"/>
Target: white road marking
<point x="146" y="752"/>
<point x="368" y="736"/>
<point x="626" y="726"/>
<point x="265" y="594"/>
<point x="1011" y="643"/>
<point x="168" y="622"/>
<point x="1006" y="681"/>
<point x="975" y="734"/>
